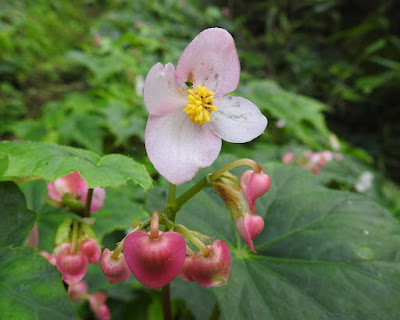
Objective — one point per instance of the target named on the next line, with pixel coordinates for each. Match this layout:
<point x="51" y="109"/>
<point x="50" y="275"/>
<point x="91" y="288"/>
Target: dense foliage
<point x="326" y="75"/>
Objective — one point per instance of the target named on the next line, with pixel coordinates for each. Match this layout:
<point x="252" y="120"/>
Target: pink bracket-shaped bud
<point x="254" y="185"/>
<point x="97" y="304"/>
<point x="115" y="270"/>
<point x="214" y="269"/>
<point x="73" y="266"/>
<point x="155" y="261"/>
<point x="91" y="249"/>
<point x="249" y="227"/>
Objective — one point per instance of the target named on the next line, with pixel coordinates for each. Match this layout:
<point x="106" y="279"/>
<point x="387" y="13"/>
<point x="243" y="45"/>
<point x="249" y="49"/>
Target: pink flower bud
<point x="50" y="257"/>
<point x="91" y="249"/>
<point x="115" y="270"/>
<point x="73" y="184"/>
<point x="249" y="227"/>
<point x="96" y="300"/>
<point x="97" y="304"/>
<point x="103" y="313"/>
<point x="186" y="272"/>
<point x="72" y="265"/>
<point x="254" y="185"/>
<point x="155" y="260"/>
<point x="68" y="184"/>
<point x="214" y="269"/>
<point x="33" y="237"/>
<point x="77" y="290"/>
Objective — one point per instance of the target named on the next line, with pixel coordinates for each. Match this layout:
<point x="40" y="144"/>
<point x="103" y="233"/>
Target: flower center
<point x="200" y="104"/>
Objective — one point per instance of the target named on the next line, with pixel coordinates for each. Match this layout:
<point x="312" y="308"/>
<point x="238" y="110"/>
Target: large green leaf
<point x="31" y="288"/>
<point x="51" y="161"/>
<point x="323" y="254"/>
<point x="16" y="219"/>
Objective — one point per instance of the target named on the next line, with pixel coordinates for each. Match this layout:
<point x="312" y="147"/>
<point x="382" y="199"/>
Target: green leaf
<point x="31" y="287"/>
<point x="50" y="161"/>
<point x="302" y="115"/>
<point x="323" y="254"/>
<point x="16" y="220"/>
<point x="120" y="211"/>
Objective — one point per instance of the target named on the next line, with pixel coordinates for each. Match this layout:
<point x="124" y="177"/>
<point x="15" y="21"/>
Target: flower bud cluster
<point x="155" y="258"/>
<point x="240" y="199"/>
<point x="73" y="253"/>
<point x="315" y="161"/>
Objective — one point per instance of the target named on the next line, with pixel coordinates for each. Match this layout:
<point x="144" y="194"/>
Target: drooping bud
<point x="249" y="227"/>
<point x="33" y="237"/>
<point x="91" y="249"/>
<point x="72" y="265"/>
<point x="155" y="258"/>
<point x="186" y="272"/>
<point x="214" y="269"/>
<point x="103" y="313"/>
<point x="115" y="270"/>
<point x="254" y="185"/>
<point x="77" y="291"/>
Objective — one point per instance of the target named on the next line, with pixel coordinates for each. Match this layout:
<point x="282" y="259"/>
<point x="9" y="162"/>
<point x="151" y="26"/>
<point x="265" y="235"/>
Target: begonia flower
<point x="74" y="185"/>
<point x="189" y="112"/>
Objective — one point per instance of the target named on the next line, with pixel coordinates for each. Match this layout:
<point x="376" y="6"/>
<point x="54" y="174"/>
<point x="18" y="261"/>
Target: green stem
<point x="215" y="313"/>
<point x="166" y="303"/>
<point x="214" y="176"/>
<point x="88" y="203"/>
<point x="75" y="234"/>
<point x="191" y="237"/>
<point x="179" y="202"/>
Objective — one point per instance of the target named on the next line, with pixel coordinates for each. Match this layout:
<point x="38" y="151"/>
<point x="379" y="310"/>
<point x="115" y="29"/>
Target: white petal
<point x="161" y="96"/>
<point x="178" y="148"/>
<point x="237" y="119"/>
<point x="212" y="61"/>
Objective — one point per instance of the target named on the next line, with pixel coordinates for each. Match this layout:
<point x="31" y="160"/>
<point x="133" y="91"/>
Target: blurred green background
<point x="72" y="72"/>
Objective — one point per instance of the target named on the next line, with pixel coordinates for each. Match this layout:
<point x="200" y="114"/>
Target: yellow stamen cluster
<point x="200" y="104"/>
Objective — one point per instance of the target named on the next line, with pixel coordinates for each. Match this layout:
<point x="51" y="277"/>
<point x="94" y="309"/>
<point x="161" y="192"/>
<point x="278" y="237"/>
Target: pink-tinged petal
<point x="115" y="270"/>
<point x="212" y="61"/>
<point x="99" y="194"/>
<point x="68" y="184"/>
<point x="33" y="237"/>
<point x="178" y="148"/>
<point x="237" y="120"/>
<point x="249" y="227"/>
<point x="254" y="185"/>
<point x="161" y="96"/>
<point x="73" y="266"/>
